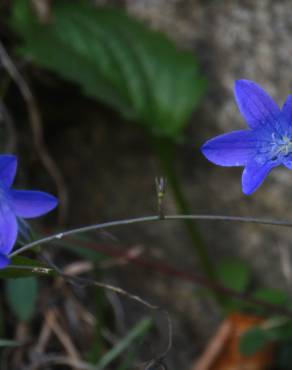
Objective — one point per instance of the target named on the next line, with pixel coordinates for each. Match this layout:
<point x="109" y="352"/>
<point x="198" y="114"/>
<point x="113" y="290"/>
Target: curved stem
<point x="154" y="218"/>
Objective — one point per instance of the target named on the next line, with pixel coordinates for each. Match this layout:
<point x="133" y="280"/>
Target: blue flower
<point x="266" y="144"/>
<point x="17" y="204"/>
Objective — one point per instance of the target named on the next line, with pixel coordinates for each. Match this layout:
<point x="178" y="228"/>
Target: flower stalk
<point x="165" y="151"/>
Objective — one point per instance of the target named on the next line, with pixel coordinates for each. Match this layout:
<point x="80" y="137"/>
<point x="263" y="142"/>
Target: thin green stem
<point x="154" y="218"/>
<point x="165" y="150"/>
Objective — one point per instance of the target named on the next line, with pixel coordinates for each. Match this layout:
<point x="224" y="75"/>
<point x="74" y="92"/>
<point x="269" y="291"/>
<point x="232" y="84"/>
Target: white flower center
<point x="281" y="146"/>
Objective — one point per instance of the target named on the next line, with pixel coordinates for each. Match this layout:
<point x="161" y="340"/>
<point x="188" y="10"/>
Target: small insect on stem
<point x="161" y="183"/>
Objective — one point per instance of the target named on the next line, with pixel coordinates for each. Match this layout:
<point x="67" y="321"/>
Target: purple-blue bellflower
<point x="17" y="204"/>
<point x="266" y="143"/>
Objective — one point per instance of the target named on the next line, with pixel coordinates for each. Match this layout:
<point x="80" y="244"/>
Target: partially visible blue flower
<point x="17" y="204"/>
<point x="266" y="144"/>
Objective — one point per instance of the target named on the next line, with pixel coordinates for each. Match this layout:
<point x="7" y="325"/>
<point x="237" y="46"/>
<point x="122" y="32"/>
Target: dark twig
<point x="214" y="286"/>
<point x="90" y="282"/>
<point x="47" y="360"/>
<point x="156" y="365"/>
<point x="37" y="130"/>
<point x="172" y="272"/>
<point x="158" y="361"/>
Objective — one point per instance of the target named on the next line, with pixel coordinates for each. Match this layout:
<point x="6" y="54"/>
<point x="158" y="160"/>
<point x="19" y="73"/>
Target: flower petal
<point x="232" y="149"/>
<point x="8" y="166"/>
<point x="254" y="174"/>
<point x="287" y="108"/>
<point x="256" y="106"/>
<point x="29" y="204"/>
<point x="8" y="229"/>
<point x="287" y="114"/>
<point x="4" y="261"/>
<point x="287" y="161"/>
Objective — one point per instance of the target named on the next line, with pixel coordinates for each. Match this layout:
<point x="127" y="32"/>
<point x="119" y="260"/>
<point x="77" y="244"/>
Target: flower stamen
<point x="281" y="146"/>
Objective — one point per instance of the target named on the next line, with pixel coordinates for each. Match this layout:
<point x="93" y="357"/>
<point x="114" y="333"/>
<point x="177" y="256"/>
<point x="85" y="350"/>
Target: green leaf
<point x="95" y="349"/>
<point x="253" y="341"/>
<point x="276" y="329"/>
<point x="234" y="274"/>
<point x="22" y="295"/>
<point x="273" y="296"/>
<point x="20" y="268"/>
<point x="115" y="59"/>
